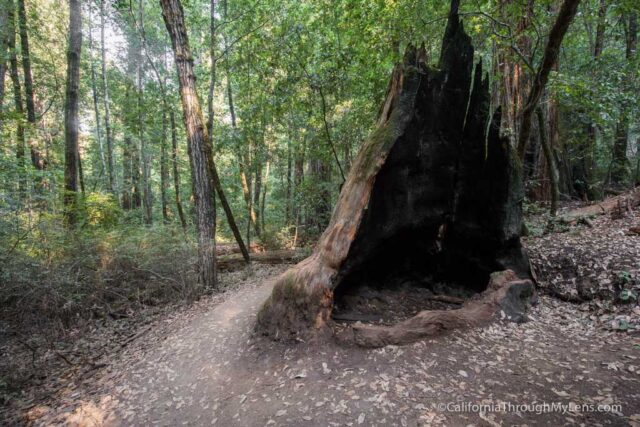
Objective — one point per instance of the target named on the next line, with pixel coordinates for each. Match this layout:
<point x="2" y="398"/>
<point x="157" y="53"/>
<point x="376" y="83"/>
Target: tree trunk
<point x="243" y="164"/>
<point x="81" y="173"/>
<point x="230" y="218"/>
<point x="17" y="98"/>
<point x="128" y="188"/>
<point x="4" y="47"/>
<point x="511" y="67"/>
<point x="37" y="159"/>
<point x="550" y="161"/>
<point x="200" y="153"/>
<point x="212" y="70"/>
<point x="552" y="50"/>
<point x="71" y="112"/>
<point x="586" y="163"/>
<point x="431" y="194"/>
<point x="107" y="110"/>
<point x="288" y="192"/>
<point x="164" y="166"/>
<point x="620" y="162"/>
<point x="96" y="108"/>
<point x="145" y="157"/>
<point x="176" y="171"/>
<point x="244" y="181"/>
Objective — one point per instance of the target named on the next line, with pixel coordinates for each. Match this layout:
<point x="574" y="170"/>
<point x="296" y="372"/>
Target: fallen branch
<point x="631" y="200"/>
<point x="235" y="261"/>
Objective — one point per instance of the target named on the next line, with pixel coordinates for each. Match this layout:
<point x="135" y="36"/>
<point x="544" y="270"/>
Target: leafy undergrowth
<point x="56" y="287"/>
<point x="595" y="264"/>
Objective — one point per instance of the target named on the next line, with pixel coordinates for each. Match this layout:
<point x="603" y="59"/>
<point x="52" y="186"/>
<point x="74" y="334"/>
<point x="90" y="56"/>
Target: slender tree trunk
<point x="71" y="112"/>
<point x="257" y="191"/>
<point x="37" y="159"/>
<point x="107" y="110"/>
<point x="600" y="28"/>
<point x="552" y="50"/>
<point x="243" y="161"/>
<point x="176" y="171"/>
<point x="550" y="160"/>
<point x="620" y="162"/>
<point x="586" y="165"/>
<point x="210" y="118"/>
<point x="147" y="196"/>
<point x="244" y="181"/>
<point x="288" y="192"/>
<point x="298" y="179"/>
<point x="200" y="152"/>
<point x="230" y="218"/>
<point x="164" y="166"/>
<point x="96" y="108"/>
<point x="4" y="49"/>
<point x="80" y="173"/>
<point x="265" y="187"/>
<point x="17" y="99"/>
<point x="212" y="71"/>
<point x="128" y="188"/>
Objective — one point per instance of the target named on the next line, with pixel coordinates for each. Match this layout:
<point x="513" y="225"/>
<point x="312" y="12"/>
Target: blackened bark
<point x="431" y="194"/>
<point x="552" y="50"/>
<point x="71" y="112"/>
<point x="200" y="152"/>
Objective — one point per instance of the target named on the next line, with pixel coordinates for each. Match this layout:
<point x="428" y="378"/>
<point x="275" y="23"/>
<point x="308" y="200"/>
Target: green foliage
<point x="93" y="272"/>
<point x="101" y="210"/>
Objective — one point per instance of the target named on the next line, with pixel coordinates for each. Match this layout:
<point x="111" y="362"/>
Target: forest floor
<point x="573" y="363"/>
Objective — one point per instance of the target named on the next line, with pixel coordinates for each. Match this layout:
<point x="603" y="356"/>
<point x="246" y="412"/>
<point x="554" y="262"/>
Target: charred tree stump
<point x="434" y="192"/>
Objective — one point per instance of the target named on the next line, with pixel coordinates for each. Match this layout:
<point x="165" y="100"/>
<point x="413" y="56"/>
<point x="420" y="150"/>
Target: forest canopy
<point x="148" y="145"/>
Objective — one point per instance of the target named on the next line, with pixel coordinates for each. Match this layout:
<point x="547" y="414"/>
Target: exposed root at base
<point x="506" y="296"/>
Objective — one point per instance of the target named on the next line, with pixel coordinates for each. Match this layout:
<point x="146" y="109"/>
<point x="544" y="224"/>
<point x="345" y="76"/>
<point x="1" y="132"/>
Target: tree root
<point x="507" y="296"/>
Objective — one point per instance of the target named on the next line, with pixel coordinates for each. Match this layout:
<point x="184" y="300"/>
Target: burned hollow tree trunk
<point x="431" y="193"/>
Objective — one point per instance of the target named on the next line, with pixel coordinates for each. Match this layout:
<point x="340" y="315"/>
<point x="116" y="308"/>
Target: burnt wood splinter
<point x="435" y="192"/>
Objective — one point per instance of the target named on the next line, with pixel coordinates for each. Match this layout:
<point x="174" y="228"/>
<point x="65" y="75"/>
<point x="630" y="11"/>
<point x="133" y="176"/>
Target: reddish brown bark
<point x="552" y="51"/>
<point x="429" y="194"/>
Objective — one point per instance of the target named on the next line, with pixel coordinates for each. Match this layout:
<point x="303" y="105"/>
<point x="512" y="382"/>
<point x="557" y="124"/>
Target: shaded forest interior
<point x="150" y="150"/>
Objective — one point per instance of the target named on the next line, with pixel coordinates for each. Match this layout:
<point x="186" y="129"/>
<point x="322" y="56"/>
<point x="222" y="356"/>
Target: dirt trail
<point x="208" y="369"/>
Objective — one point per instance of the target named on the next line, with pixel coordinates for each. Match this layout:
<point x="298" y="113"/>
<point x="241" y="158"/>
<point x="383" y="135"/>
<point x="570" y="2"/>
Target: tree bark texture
<point x="431" y="193"/>
<point x="176" y="171"/>
<point x="107" y="109"/>
<point x="4" y="47"/>
<point x="37" y="159"/>
<point x="552" y="51"/>
<point x="620" y="170"/>
<point x="200" y="152"/>
<point x="71" y="112"/>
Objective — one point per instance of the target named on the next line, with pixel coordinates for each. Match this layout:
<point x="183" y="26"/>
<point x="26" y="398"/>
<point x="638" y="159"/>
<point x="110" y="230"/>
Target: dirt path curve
<point x="209" y="370"/>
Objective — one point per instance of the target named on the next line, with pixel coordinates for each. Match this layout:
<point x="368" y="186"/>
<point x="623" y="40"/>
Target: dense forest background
<point x="289" y="91"/>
